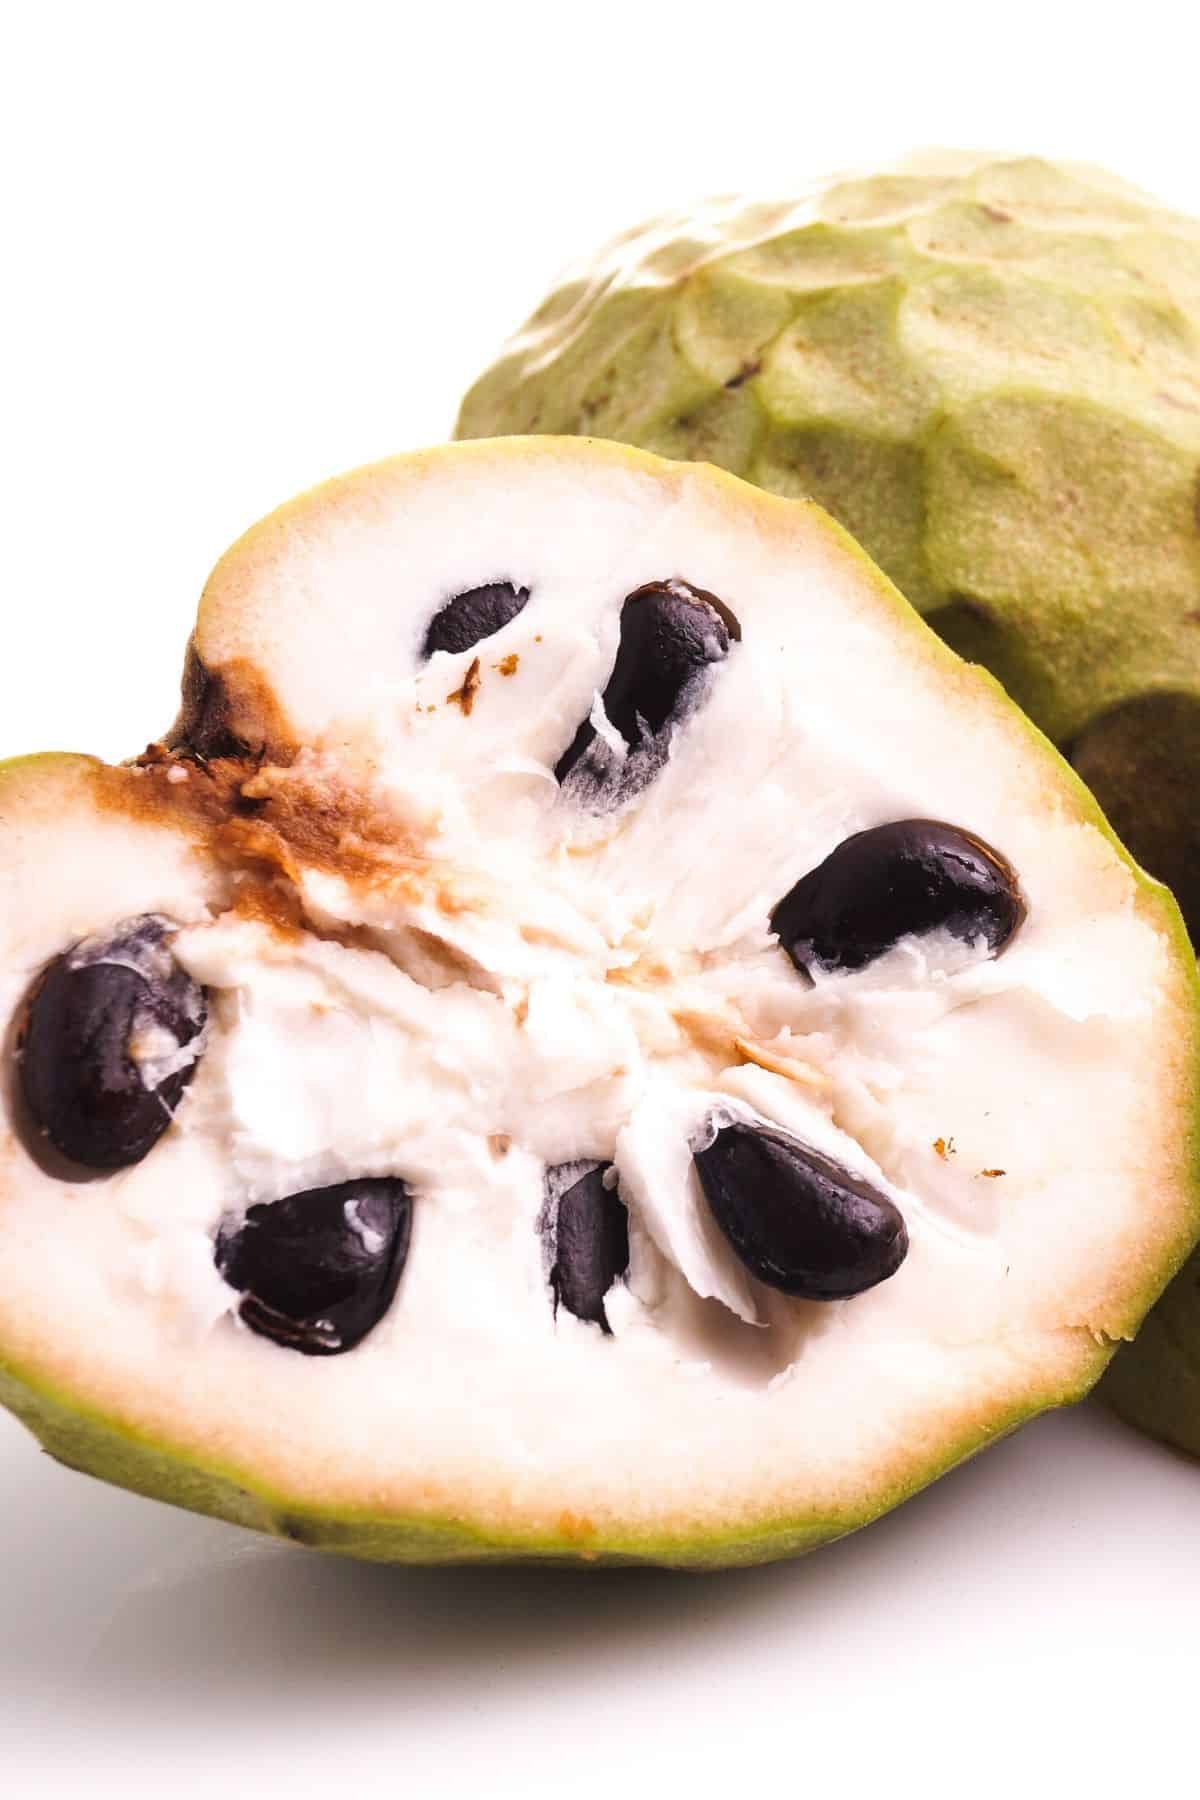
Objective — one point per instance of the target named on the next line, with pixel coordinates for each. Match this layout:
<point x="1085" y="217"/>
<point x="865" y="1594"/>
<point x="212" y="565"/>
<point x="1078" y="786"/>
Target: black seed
<point x="469" y="618"/>
<point x="591" y="1240"/>
<point x="104" y="1024"/>
<point x="319" y="1269"/>
<point x="913" y="876"/>
<point x="795" y="1218"/>
<point x="670" y="634"/>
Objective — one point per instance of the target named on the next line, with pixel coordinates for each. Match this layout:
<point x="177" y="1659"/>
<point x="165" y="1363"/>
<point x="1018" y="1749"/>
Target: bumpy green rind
<point x="114" y="1449"/>
<point x="988" y="369"/>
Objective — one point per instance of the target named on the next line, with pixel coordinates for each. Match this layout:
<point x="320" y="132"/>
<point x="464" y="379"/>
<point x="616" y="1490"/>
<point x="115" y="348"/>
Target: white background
<point x="246" y="247"/>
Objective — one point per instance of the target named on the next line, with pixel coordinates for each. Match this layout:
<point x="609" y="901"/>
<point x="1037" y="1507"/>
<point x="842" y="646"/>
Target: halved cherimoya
<point x="596" y="1035"/>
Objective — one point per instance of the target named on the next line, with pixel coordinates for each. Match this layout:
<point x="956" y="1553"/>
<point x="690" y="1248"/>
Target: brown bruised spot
<point x="277" y="821"/>
<point x="269" y="903"/>
<point x="945" y="1148"/>
<point x="149" y="792"/>
<point x="578" y="1529"/>
<point x="509" y="664"/>
<point x="232" y="712"/>
<point x="499" y="1143"/>
<point x="992" y="1174"/>
<point x="465" y="695"/>
<point x="303" y="815"/>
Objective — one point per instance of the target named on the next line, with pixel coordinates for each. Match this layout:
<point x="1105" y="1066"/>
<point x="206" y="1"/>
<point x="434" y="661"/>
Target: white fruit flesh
<point x="497" y="979"/>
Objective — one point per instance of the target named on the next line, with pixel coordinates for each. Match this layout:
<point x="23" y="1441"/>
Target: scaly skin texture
<point x="988" y="369"/>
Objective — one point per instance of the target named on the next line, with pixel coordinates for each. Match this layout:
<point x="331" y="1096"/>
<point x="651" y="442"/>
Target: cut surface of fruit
<point x="522" y="1186"/>
<point x="988" y="369"/>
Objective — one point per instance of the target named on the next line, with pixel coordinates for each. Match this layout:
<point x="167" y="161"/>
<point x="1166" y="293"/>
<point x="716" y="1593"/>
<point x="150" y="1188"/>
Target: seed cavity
<point x="795" y="1218"/>
<point x="472" y="616"/>
<point x="910" y="877"/>
<point x="587" y="1227"/>
<point x="112" y="1036"/>
<point x="318" y="1270"/>
<point x="671" y="634"/>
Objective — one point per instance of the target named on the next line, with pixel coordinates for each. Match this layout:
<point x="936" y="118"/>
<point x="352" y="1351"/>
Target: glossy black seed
<point x="670" y="634"/>
<point x="472" y="616"/>
<point x="912" y="876"/>
<point x="111" y="1039"/>
<point x="591" y="1240"/>
<point x="319" y="1269"/>
<point x="796" y="1219"/>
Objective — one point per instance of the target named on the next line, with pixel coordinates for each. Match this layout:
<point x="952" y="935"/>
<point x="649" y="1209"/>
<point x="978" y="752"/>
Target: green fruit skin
<point x="109" y="1450"/>
<point x="1154" y="1384"/>
<point x="988" y="369"/>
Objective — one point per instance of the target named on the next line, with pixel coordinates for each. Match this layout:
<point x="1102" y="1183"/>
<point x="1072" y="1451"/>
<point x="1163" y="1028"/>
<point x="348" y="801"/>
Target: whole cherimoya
<point x="596" y="1035"/>
<point x="988" y="369"/>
